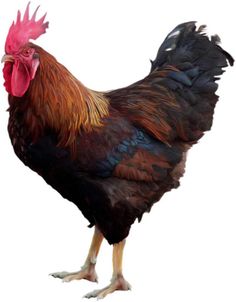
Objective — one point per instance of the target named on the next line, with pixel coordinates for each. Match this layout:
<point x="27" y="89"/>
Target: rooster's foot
<point x="87" y="272"/>
<point x="117" y="283"/>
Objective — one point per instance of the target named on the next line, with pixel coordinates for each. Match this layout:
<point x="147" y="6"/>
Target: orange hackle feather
<point x="59" y="101"/>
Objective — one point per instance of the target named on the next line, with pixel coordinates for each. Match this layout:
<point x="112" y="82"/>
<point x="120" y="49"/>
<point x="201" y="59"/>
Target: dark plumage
<point x="115" y="154"/>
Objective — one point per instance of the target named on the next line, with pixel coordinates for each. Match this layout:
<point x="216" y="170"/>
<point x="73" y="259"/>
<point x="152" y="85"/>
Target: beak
<point x="7" y="58"/>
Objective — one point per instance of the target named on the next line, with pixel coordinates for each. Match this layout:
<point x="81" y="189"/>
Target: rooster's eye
<point x="27" y="52"/>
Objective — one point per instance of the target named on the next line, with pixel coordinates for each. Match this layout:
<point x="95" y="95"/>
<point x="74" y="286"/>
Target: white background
<point x="184" y="250"/>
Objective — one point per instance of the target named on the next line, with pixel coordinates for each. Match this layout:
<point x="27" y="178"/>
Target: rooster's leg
<point x="88" y="269"/>
<point x="117" y="282"/>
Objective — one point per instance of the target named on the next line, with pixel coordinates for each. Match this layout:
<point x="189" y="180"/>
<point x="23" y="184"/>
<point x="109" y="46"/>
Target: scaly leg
<point x="117" y="282"/>
<point x="88" y="269"/>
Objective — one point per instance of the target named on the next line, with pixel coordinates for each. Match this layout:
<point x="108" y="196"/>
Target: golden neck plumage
<point x="62" y="102"/>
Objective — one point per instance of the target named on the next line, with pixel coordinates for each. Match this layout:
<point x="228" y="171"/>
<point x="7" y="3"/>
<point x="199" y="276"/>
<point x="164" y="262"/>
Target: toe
<point x="116" y="284"/>
<point x="87" y="274"/>
<point x="59" y="275"/>
<point x="92" y="294"/>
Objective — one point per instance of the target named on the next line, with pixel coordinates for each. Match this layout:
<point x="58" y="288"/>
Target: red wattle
<point x="20" y="79"/>
<point x="7" y="71"/>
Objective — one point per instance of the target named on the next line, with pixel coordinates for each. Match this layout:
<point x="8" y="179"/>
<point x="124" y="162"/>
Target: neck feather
<point x="62" y="102"/>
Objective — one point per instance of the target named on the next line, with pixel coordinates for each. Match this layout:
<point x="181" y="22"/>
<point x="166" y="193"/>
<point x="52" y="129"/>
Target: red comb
<point x="23" y="30"/>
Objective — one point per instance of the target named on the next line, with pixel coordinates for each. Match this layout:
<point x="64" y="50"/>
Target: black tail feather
<point x="197" y="62"/>
<point x="185" y="43"/>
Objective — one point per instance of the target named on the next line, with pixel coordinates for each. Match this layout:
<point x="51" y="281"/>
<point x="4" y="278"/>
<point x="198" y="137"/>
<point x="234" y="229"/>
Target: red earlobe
<point x="34" y="67"/>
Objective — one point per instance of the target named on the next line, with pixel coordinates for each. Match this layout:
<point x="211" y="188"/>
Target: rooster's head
<point x="21" y="60"/>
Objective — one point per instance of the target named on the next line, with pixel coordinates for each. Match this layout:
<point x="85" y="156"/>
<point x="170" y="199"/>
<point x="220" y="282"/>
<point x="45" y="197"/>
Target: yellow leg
<point x="88" y="269"/>
<point x="117" y="282"/>
<point x="117" y="258"/>
<point x="94" y="248"/>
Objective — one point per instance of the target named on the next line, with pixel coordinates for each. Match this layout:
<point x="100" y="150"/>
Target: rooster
<point x="113" y="154"/>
